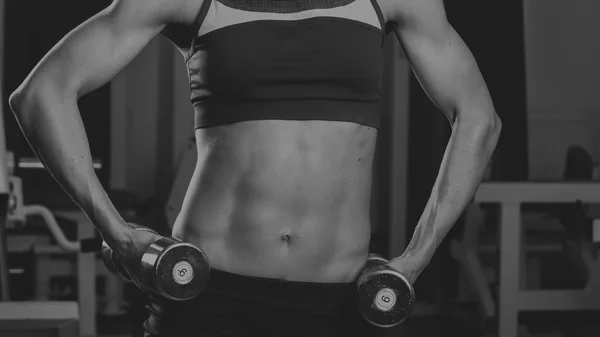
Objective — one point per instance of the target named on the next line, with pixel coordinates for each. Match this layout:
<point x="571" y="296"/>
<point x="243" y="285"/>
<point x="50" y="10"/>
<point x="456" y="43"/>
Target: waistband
<point x="286" y="291"/>
<point x="248" y="303"/>
<point x="214" y="113"/>
<point x="227" y="285"/>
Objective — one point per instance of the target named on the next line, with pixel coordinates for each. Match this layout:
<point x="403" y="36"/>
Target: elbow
<point x="490" y="129"/>
<point x="496" y="125"/>
<point x="23" y="103"/>
<point x="15" y="101"/>
<point x="20" y="103"/>
<point x="42" y="88"/>
<point x="488" y="124"/>
<point x="493" y="125"/>
<point x="32" y="96"/>
<point x="485" y="128"/>
<point x="22" y="99"/>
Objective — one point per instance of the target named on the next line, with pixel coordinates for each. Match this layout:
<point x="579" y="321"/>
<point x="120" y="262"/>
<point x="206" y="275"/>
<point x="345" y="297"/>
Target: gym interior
<point x="522" y="260"/>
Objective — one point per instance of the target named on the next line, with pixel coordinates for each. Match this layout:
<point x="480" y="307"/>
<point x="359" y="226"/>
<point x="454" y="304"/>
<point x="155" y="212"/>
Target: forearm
<point x="465" y="160"/>
<point x="51" y="123"/>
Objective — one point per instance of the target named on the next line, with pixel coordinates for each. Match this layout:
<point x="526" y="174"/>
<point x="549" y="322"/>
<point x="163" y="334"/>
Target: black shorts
<point x="239" y="306"/>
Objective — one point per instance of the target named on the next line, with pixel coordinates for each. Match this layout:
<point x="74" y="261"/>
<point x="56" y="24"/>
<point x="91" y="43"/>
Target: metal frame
<point x="512" y="299"/>
<point x="86" y="275"/>
<point x="466" y="251"/>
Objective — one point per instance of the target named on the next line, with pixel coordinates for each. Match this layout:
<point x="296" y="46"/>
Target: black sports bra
<point x="287" y="59"/>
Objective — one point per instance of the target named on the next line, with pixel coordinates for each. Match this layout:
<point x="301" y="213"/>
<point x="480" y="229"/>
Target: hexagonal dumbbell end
<point x="385" y="297"/>
<point x="174" y="269"/>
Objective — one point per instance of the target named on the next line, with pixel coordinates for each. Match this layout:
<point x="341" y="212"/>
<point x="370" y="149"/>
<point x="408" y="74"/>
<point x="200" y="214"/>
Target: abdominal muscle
<point x="282" y="199"/>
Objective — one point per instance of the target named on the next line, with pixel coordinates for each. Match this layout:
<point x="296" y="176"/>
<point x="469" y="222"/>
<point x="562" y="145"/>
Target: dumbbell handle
<point x="111" y="261"/>
<point x="374" y="260"/>
<point x="112" y="264"/>
<point x="169" y="267"/>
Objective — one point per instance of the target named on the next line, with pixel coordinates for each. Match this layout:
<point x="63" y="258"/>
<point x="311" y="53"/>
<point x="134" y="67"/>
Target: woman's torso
<point x="284" y="199"/>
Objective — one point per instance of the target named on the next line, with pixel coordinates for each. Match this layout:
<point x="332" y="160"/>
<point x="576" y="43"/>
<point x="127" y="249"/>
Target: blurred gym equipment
<point x="20" y="319"/>
<point x="11" y="312"/>
<point x="23" y="318"/>
<point x="33" y="260"/>
<point x="52" y="255"/>
<point x="562" y="225"/>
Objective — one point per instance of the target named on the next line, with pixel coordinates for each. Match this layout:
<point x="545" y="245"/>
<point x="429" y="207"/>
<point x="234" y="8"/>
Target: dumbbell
<point x="169" y="267"/>
<point x="385" y="297"/>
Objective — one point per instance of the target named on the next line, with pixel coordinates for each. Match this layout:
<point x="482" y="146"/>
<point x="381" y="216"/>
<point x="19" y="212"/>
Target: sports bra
<point x="287" y="60"/>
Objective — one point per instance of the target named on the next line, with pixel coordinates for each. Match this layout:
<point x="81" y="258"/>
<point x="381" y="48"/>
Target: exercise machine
<point x="52" y="259"/>
<point x="516" y="248"/>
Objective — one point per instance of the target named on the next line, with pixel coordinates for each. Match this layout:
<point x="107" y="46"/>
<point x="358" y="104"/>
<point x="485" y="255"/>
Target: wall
<point x="134" y="118"/>
<point x="563" y="81"/>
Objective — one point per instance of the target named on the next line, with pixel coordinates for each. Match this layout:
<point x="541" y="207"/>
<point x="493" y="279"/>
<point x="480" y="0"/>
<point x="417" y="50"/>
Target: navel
<point x="286" y="236"/>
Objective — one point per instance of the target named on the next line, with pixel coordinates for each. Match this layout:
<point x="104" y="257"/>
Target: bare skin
<point x="280" y="199"/>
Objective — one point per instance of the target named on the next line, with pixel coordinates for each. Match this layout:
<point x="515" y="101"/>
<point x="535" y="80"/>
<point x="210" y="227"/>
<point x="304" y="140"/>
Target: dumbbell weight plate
<point x="174" y="269"/>
<point x="386" y="297"/>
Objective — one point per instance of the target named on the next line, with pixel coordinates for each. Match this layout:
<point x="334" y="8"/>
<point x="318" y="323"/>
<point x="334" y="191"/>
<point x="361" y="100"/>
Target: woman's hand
<point x="409" y="266"/>
<point x="129" y="253"/>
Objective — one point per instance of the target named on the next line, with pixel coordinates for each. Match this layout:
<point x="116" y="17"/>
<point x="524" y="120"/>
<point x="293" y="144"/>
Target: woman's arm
<point x="450" y="76"/>
<point x="45" y="104"/>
